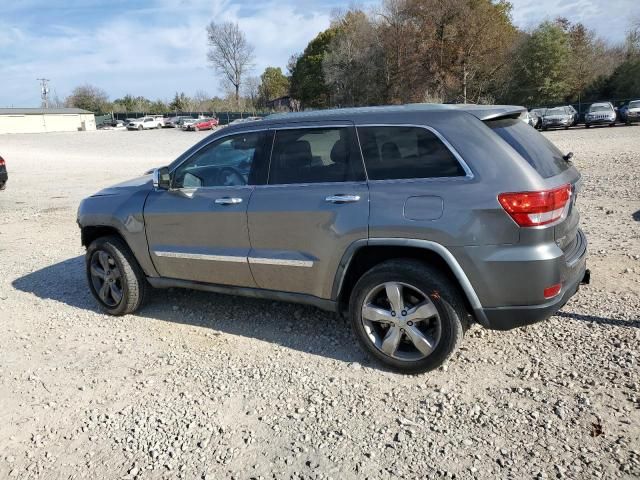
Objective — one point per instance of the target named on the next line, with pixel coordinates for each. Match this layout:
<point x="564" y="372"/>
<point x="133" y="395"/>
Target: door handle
<point x="228" y="201"/>
<point x="341" y="198"/>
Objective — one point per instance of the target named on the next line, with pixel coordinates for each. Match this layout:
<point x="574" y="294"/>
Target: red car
<point x="204" y="124"/>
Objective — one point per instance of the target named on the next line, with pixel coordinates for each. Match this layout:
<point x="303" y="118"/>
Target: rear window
<point x="534" y="147"/>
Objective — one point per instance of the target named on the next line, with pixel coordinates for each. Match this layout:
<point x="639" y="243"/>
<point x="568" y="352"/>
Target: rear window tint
<point x="392" y="153"/>
<point x="534" y="147"/>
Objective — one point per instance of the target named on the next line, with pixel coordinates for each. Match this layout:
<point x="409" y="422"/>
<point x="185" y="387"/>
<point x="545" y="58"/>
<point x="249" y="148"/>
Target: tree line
<point x="406" y="51"/>
<point x="462" y="51"/>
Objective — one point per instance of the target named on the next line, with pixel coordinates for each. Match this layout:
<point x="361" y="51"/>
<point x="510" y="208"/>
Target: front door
<point x="315" y="204"/>
<point x="197" y="230"/>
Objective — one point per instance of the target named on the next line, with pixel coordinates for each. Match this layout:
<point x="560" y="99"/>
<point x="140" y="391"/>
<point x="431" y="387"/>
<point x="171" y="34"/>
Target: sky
<point x="158" y="47"/>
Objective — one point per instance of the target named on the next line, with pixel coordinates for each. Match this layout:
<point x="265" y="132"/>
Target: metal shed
<point x="37" y="120"/>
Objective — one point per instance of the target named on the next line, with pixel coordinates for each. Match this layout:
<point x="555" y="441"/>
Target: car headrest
<point x="390" y="152"/>
<point x="340" y="152"/>
<point x="296" y="154"/>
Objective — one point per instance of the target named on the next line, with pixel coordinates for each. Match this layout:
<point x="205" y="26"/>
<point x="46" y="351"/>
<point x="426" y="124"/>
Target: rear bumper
<point x="507" y="318"/>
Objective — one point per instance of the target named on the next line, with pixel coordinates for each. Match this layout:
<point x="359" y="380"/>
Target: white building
<point x="36" y="120"/>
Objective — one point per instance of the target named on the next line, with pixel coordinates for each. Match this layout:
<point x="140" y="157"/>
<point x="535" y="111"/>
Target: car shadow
<point x="298" y="327"/>
<point x="636" y="216"/>
<point x="601" y="320"/>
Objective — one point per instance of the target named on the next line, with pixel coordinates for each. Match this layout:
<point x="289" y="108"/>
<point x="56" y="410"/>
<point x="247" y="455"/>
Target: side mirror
<point x="161" y="178"/>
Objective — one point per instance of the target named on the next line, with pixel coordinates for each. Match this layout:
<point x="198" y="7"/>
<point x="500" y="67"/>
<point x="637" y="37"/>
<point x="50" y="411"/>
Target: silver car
<point x="601" y="113"/>
<point x="415" y="221"/>
<point x="557" y="117"/>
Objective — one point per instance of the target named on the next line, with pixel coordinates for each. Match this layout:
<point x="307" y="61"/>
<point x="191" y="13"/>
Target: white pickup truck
<point x="145" y="123"/>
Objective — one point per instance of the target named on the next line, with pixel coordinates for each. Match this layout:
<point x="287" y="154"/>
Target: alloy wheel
<point x="401" y="321"/>
<point x="106" y="278"/>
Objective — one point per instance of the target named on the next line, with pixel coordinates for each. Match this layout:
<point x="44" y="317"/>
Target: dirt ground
<point x="200" y="385"/>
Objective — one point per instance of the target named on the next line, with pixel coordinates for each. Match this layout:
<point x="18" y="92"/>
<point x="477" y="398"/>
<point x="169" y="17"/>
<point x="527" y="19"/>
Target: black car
<point x="3" y="173"/>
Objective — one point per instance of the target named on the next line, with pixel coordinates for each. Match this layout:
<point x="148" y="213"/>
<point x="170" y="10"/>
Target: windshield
<point x="634" y="104"/>
<point x="556" y="111"/>
<point x="600" y="108"/>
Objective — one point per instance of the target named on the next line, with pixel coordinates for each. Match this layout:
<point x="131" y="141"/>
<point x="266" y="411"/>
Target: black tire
<point x="140" y="127"/>
<point x="612" y="124"/>
<point x="453" y="316"/>
<point x="586" y="125"/>
<point x="566" y="128"/>
<point x="131" y="281"/>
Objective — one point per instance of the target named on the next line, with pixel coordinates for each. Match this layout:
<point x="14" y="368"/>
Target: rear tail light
<point x="532" y="209"/>
<point x="552" y="291"/>
<point x="1" y="162"/>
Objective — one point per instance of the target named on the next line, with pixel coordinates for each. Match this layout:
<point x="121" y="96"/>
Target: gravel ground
<point x="208" y="386"/>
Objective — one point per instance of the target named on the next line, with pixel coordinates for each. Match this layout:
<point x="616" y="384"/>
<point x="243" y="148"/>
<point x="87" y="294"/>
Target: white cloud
<point x="160" y="47"/>
<point x="609" y="18"/>
<point x="152" y="52"/>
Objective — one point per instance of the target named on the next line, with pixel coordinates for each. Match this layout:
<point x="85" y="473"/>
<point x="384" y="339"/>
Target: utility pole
<point x="44" y="91"/>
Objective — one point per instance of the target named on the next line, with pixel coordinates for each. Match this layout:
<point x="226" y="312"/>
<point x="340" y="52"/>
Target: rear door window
<point x="314" y="155"/>
<point x="534" y="147"/>
<point x="392" y="153"/>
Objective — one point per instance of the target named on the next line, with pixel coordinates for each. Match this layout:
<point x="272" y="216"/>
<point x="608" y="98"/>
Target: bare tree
<point x="252" y="91"/>
<point x="229" y="53"/>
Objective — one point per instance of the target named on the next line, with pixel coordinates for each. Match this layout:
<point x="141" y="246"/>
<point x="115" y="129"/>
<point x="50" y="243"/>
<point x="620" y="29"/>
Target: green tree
<point x="542" y="67"/>
<point x="89" y="97"/>
<point x="352" y="66"/>
<point x="307" y="78"/>
<point x="158" y="107"/>
<point x="180" y="102"/>
<point x="273" y="84"/>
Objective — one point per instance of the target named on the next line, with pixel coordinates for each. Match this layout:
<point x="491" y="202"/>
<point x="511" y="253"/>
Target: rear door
<point x="316" y="203"/>
<point x="197" y="230"/>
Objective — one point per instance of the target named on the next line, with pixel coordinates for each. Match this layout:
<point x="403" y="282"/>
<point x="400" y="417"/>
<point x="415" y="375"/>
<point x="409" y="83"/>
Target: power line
<point x="44" y="91"/>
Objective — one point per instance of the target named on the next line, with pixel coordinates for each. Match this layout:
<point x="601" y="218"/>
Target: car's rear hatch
<point x="549" y="162"/>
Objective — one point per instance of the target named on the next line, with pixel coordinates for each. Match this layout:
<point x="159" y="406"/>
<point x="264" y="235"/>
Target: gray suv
<point x="415" y="221"/>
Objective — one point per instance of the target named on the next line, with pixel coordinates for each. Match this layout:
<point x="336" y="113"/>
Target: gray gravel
<point x="207" y="386"/>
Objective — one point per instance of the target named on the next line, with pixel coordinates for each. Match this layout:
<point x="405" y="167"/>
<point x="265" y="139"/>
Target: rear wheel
<point x="407" y="315"/>
<point x="115" y="278"/>
<point x="140" y="127"/>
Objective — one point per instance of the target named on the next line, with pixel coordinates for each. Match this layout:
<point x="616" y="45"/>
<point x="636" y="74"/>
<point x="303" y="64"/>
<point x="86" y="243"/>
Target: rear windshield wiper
<point x="567" y="158"/>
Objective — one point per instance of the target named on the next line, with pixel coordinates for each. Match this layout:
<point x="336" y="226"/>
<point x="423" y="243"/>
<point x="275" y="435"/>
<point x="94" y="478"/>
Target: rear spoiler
<point x="495" y="112"/>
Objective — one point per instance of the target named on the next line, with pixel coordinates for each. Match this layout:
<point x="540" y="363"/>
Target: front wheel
<point x="407" y="315"/>
<point x="115" y="279"/>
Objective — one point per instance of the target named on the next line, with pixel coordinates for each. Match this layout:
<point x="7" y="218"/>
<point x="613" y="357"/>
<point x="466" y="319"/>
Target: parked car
<point x="539" y="113"/>
<point x="4" y="176"/>
<point x="630" y="112"/>
<point x="203" y="124"/>
<point x="185" y="122"/>
<point x="282" y="209"/>
<point x="143" y="123"/>
<point x="575" y="116"/>
<point x="159" y="120"/>
<point x="557" y="117"/>
<point x="601" y="113"/>
<point x="529" y="118"/>
<point x="174" y="122"/>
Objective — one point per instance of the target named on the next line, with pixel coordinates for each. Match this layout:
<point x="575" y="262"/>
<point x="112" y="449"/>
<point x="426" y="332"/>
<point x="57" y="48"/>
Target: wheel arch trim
<point x="434" y="247"/>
